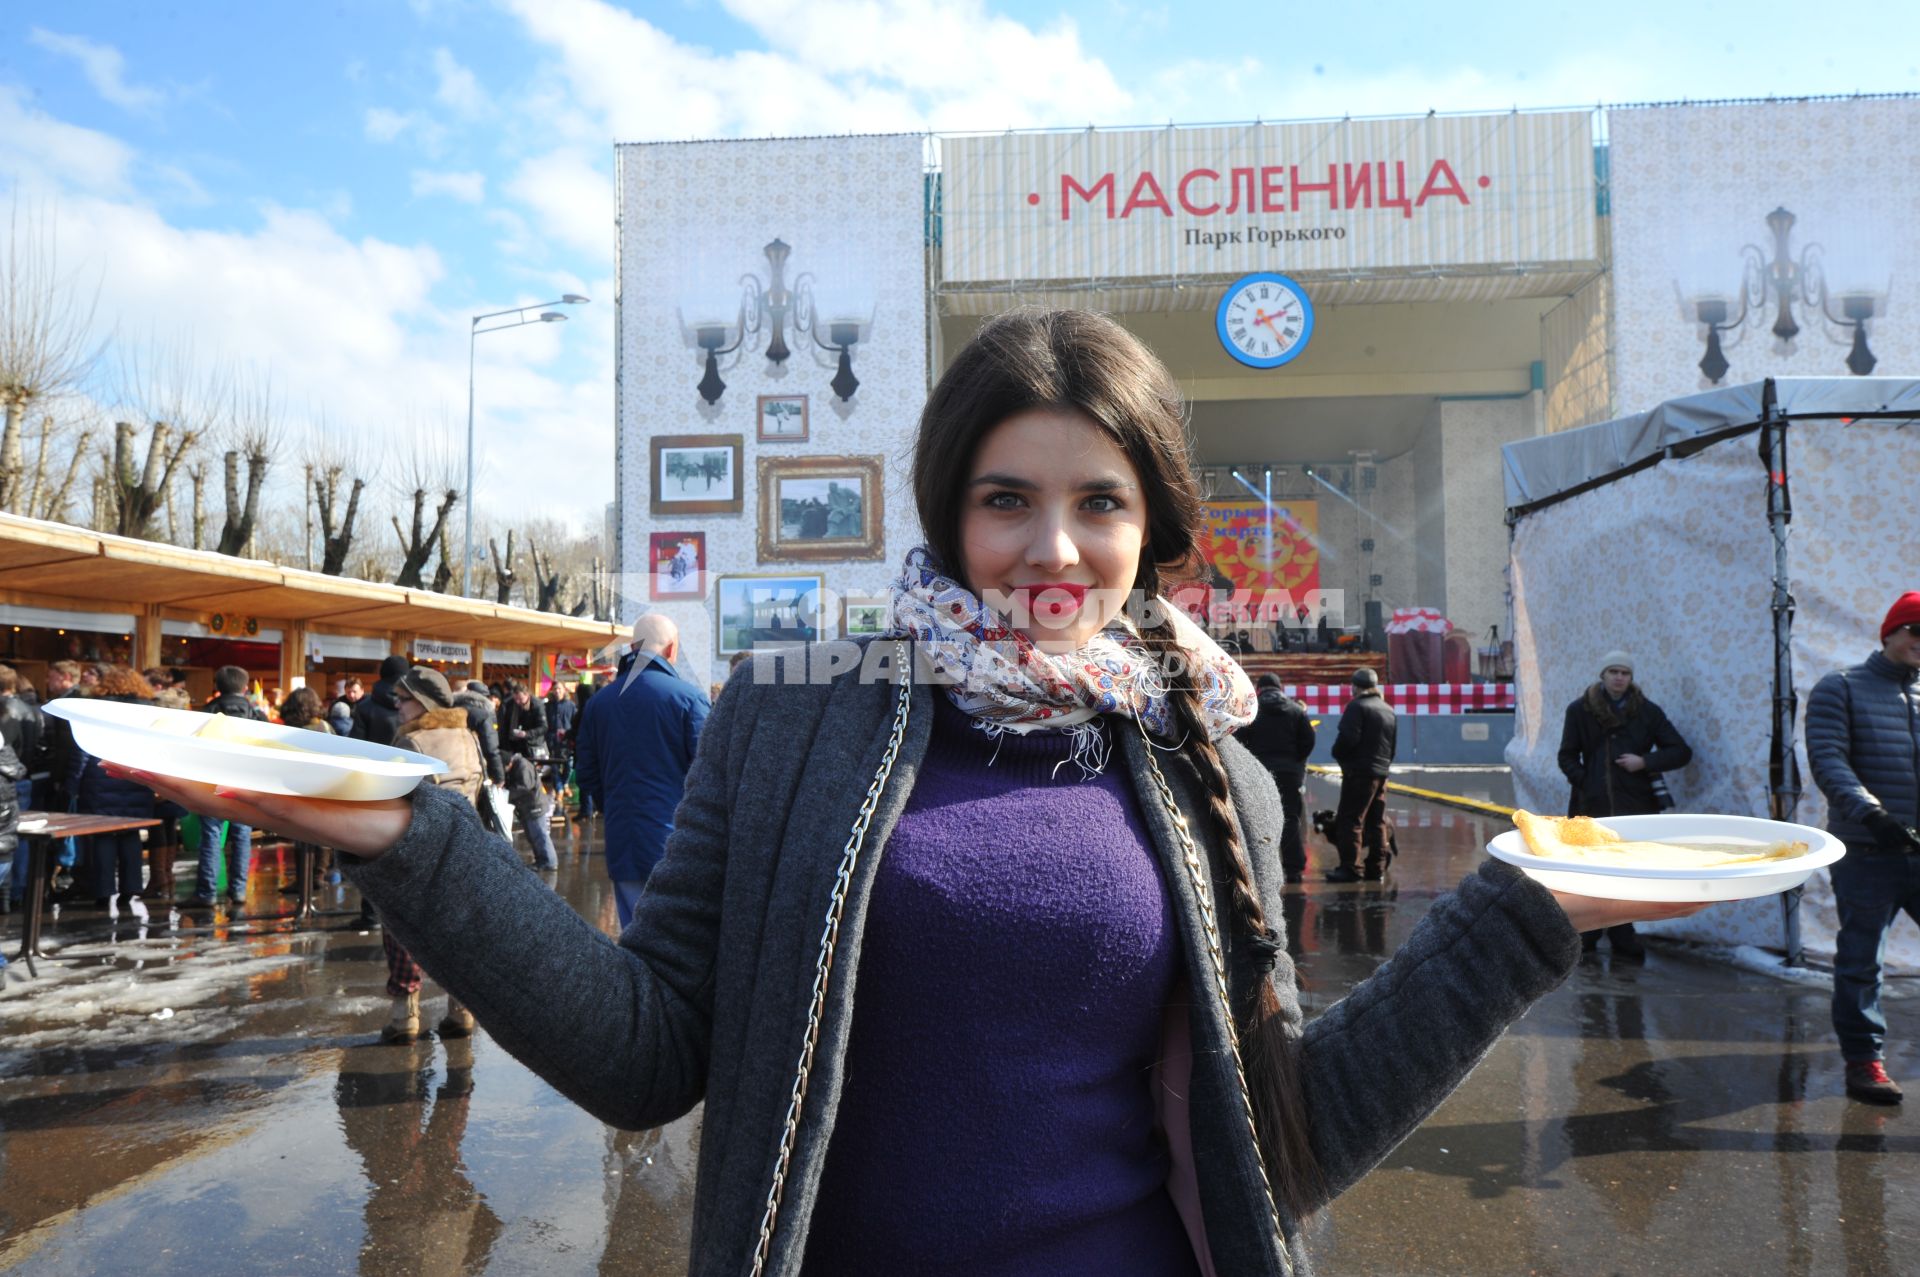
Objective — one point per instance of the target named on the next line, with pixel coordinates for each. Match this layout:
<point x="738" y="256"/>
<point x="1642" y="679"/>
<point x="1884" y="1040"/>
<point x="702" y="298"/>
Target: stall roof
<point x="1547" y="467"/>
<point x="96" y="569"/>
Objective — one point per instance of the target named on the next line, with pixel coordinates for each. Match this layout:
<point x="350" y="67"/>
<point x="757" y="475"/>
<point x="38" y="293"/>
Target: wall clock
<point x="1264" y="320"/>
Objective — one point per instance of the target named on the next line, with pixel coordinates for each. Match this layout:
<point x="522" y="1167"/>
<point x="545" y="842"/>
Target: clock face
<point x="1264" y="320"/>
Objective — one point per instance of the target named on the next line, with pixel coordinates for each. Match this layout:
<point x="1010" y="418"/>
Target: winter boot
<point x="405" y="1024"/>
<point x="1867" y="1081"/>
<point x="458" y="1021"/>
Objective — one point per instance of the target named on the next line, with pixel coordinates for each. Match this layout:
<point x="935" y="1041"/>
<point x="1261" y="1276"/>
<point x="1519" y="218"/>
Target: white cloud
<point x="468" y="188"/>
<point x="383" y="125"/>
<point x="104" y="67"/>
<point x="573" y="197"/>
<point x="37" y="149"/>
<point x="832" y="66"/>
<point x="457" y="87"/>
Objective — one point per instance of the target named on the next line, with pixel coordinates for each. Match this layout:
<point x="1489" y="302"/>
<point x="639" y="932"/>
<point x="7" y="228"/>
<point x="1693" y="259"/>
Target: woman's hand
<point x="365" y="830"/>
<point x="1591" y="913"/>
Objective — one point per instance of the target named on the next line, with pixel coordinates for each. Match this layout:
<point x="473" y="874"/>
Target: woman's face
<point x="410" y="707"/>
<point x="1053" y="526"/>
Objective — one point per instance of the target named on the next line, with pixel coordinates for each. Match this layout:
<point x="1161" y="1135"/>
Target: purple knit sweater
<point x="1019" y="947"/>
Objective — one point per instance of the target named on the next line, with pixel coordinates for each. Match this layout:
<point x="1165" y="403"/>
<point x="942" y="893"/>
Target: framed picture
<point x="677" y="565"/>
<point x="820" y="508"/>
<point x="697" y="474"/>
<point x="783" y="419"/>
<point x="863" y="616"/>
<point x="763" y="608"/>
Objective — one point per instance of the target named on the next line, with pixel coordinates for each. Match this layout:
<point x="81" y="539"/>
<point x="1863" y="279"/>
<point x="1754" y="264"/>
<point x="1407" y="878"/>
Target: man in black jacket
<point x="20" y="731"/>
<point x="1364" y="749"/>
<point x="376" y="716"/>
<point x="1281" y="736"/>
<point x="230" y="698"/>
<point x="523" y="722"/>
<point x="1613" y="744"/>
<point x="1863" y="742"/>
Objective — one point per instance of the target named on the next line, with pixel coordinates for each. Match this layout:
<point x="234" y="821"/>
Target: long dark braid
<point x="1270" y="1054"/>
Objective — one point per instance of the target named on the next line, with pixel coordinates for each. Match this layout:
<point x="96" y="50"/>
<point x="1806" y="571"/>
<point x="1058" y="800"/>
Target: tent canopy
<point x="1548" y="467"/>
<point x="56" y="561"/>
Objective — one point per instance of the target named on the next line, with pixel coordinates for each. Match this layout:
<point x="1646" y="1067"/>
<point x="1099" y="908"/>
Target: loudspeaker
<point x="1376" y="626"/>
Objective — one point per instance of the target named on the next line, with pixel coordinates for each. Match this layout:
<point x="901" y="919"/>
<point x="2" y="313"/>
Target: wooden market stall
<point x="145" y="595"/>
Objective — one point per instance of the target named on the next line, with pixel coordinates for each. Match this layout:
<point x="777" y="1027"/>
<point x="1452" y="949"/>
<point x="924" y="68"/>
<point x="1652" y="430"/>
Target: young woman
<point x="978" y="973"/>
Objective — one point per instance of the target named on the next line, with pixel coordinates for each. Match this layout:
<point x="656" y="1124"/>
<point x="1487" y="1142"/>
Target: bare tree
<point x="443" y="570"/>
<point x="47" y="346"/>
<point x="428" y="492"/>
<point x="197" y="476"/>
<point x="254" y="434"/>
<point x="337" y="463"/>
<point x="549" y="581"/>
<point x="44" y="499"/>
<point x="503" y="573"/>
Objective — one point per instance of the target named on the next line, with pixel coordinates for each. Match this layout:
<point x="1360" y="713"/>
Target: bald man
<point x="633" y="745"/>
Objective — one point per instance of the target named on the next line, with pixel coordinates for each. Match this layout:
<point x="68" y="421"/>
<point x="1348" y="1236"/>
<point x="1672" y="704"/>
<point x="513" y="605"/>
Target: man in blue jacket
<point x="634" y="743"/>
<point x="1863" y="743"/>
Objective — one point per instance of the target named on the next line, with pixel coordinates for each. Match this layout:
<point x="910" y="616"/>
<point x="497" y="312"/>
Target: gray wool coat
<point x="705" y="996"/>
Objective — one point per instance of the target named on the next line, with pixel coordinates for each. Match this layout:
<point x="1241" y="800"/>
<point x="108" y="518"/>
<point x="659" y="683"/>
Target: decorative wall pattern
<point x="1692" y="184"/>
<point x="694" y="218"/>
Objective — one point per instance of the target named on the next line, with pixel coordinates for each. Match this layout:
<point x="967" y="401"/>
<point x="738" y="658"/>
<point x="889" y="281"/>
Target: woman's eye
<point x="1003" y="501"/>
<point x="1102" y="505"/>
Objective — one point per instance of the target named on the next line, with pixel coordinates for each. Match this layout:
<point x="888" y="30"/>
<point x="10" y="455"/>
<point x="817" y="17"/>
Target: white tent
<point x="1740" y="544"/>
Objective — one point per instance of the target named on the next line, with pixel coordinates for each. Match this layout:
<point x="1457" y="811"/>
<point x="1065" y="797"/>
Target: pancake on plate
<point x="1583" y="838"/>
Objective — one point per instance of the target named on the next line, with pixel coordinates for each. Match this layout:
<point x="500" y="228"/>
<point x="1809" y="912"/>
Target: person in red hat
<point x="1863" y="742"/>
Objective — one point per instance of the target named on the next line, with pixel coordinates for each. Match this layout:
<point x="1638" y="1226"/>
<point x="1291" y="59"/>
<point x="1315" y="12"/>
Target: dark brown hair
<point x="1085" y="363"/>
<point x="301" y="707"/>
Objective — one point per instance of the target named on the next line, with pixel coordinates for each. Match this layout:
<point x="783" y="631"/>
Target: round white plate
<point x="1629" y="882"/>
<point x="162" y="741"/>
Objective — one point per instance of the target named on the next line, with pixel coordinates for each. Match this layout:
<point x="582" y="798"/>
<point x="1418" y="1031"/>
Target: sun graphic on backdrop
<point x="1239" y="552"/>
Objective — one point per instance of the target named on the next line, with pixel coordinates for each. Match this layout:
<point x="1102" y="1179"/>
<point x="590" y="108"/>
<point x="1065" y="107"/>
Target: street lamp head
<point x="552" y="317"/>
<point x="574" y="299"/>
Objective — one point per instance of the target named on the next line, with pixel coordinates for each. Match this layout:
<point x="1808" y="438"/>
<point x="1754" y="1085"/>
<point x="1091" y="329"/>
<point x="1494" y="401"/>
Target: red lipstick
<point x="1052" y="600"/>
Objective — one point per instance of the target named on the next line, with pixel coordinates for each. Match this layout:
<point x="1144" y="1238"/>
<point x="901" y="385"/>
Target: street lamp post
<point x="541" y="316"/>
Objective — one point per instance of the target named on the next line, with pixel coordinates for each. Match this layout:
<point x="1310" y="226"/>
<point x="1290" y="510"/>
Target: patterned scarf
<point x="1007" y="684"/>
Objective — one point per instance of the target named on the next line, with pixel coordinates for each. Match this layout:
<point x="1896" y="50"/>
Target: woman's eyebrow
<point x="1097" y="483"/>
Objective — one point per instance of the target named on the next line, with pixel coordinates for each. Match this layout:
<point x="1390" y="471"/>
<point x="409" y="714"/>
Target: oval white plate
<point x="1630" y="882"/>
<point x="162" y="741"/>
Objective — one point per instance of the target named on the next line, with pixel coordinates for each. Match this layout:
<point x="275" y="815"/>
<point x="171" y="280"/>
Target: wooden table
<point x="39" y="842"/>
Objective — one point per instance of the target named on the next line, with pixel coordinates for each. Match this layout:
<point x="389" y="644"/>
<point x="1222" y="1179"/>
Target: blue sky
<point x="330" y="190"/>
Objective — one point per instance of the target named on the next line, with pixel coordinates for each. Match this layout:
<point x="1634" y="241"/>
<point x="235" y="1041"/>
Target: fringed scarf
<point x="1007" y="684"/>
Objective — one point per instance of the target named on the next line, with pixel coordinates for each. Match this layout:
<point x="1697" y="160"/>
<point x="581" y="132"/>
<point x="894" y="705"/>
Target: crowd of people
<point x="525" y="743"/>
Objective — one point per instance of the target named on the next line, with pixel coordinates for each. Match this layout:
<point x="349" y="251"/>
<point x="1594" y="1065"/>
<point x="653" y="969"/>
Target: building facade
<point x="1439" y="286"/>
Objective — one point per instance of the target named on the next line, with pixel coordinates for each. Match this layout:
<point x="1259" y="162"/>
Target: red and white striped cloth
<point x="1414" y="620"/>
<point x="1413" y="698"/>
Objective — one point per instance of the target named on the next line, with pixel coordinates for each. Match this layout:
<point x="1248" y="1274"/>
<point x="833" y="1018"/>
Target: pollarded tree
<point x="428" y="492"/>
<point x="47" y="344"/>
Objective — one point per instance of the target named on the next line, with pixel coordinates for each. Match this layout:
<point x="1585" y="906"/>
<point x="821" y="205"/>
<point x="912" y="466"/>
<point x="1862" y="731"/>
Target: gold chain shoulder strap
<point x="1203" y="892"/>
<point x="823" y="962"/>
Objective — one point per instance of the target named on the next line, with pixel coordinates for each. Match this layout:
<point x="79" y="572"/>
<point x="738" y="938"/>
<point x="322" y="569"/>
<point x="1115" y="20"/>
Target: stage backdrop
<point x="1244" y="559"/>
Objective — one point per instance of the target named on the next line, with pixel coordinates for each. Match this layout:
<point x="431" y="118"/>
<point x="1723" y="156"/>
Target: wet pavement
<point x="209" y="1098"/>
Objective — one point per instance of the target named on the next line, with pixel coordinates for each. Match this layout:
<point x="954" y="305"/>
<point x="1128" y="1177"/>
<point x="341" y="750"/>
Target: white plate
<point x="162" y="741"/>
<point x="1631" y="882"/>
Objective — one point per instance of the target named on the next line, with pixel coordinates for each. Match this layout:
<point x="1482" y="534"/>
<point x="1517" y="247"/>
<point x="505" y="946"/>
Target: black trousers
<point x="1361" y="820"/>
<point x="1293" y="847"/>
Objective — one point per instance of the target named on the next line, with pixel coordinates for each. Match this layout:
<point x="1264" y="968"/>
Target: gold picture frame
<point x="821" y="509"/>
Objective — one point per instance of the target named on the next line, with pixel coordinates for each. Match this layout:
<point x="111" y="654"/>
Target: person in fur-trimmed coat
<point x="431" y="723"/>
